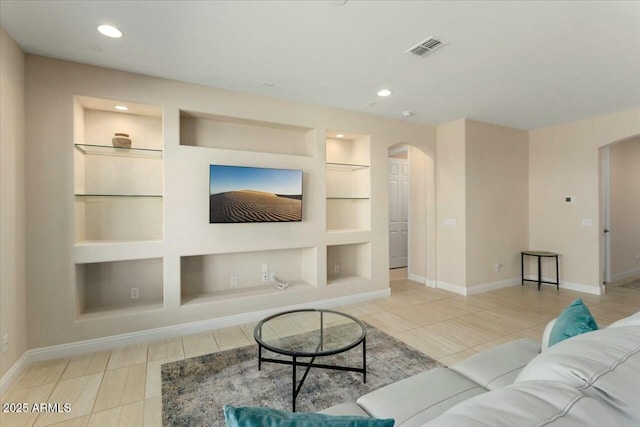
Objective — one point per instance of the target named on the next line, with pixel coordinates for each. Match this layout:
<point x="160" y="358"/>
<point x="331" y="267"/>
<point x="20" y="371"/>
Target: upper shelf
<point x="105" y="150"/>
<point x="345" y="166"/>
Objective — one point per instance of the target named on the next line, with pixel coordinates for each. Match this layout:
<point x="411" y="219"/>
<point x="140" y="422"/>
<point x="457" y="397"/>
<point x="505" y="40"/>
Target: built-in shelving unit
<point x="105" y="287"/>
<point x="118" y="208"/>
<point x="223" y="276"/>
<point x="119" y="222"/>
<point x="348" y="263"/>
<point x="348" y="182"/>
<point x="118" y="191"/>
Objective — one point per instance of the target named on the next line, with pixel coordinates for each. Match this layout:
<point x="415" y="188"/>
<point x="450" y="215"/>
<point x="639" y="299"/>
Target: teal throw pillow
<point x="574" y="320"/>
<point x="249" y="416"/>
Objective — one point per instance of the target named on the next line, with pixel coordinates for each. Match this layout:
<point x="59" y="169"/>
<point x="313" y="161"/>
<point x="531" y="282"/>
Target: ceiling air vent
<point x="425" y="47"/>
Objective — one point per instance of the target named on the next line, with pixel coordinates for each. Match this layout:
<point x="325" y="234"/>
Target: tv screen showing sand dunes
<point x="247" y="194"/>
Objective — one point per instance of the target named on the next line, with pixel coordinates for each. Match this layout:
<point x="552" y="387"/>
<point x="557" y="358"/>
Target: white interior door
<point x="398" y="212"/>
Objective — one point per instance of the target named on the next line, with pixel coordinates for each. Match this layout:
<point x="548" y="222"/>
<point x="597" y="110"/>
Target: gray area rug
<point x="633" y="285"/>
<point x="195" y="390"/>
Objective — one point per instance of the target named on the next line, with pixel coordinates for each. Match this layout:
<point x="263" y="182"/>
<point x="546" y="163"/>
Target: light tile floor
<point x="123" y="387"/>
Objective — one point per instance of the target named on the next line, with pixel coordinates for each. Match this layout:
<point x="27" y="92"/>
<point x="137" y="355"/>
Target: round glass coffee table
<point x="310" y="333"/>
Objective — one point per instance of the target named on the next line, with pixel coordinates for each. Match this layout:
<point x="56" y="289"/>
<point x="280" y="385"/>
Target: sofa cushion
<point x="604" y="365"/>
<point x="415" y="400"/>
<point x="574" y="320"/>
<point x="533" y="403"/>
<point x="249" y="416"/>
<point x="627" y="321"/>
<point x="499" y="366"/>
<point x="347" y="408"/>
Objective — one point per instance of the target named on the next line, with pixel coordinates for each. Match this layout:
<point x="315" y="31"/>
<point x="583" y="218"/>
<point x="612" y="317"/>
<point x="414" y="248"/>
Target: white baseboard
<point x="417" y="278"/>
<point x="485" y="287"/>
<point x="457" y="289"/>
<point x="422" y="280"/>
<point x="477" y="289"/>
<point x="115" y="341"/>
<point x="571" y="286"/>
<point x="625" y="274"/>
<point x="13" y="373"/>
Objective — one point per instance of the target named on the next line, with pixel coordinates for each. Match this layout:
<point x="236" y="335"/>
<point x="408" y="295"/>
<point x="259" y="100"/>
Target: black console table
<point x="540" y="255"/>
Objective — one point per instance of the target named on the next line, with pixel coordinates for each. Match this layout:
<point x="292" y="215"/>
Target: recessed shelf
<point x="345" y="166"/>
<point x="241" y="134"/>
<point x="118" y="192"/>
<point x="105" y="287"/>
<point x="105" y="150"/>
<point x="348" y="262"/>
<point x="222" y="276"/>
<point x="122" y="309"/>
<point x="348" y="278"/>
<point x="246" y="292"/>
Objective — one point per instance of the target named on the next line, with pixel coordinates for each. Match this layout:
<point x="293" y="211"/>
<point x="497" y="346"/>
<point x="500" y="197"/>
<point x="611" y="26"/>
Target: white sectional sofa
<point x="592" y="379"/>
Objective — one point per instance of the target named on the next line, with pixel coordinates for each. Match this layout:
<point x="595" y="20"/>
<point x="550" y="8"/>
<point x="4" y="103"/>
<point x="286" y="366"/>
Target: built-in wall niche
<point x="348" y="181"/>
<point x="347" y="263"/>
<point x="232" y="275"/>
<point x="118" y="191"/>
<point x="232" y="133"/>
<point x="117" y="286"/>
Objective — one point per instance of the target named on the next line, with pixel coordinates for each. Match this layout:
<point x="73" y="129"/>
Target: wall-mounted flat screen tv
<point x="247" y="194"/>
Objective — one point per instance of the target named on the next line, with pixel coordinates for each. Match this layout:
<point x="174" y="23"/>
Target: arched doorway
<point x="411" y="191"/>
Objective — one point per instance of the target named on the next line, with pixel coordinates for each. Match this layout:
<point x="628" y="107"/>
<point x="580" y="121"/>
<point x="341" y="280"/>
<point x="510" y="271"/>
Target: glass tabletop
<point x="310" y="332"/>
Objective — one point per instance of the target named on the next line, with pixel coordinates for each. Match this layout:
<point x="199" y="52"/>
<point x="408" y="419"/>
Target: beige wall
<point x="625" y="208"/>
<point x="451" y="204"/>
<point x="482" y="204"/>
<point x="51" y="86"/>
<point x="422" y="241"/>
<point x="563" y="161"/>
<point x="13" y="319"/>
<point x="497" y="201"/>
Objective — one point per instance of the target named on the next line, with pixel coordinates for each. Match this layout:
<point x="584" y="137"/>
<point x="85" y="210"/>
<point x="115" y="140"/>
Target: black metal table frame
<point x="296" y="387"/>
<point x="539" y="281"/>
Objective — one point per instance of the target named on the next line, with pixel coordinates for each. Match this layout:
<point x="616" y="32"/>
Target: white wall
<point x="13" y="285"/>
<point x="51" y="85"/>
<point x="564" y="161"/>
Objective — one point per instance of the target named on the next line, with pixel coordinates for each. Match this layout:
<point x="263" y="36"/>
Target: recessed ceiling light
<point x="110" y="31"/>
<point x="407" y="113"/>
<point x="121" y="107"/>
<point x="384" y="92"/>
<point x="340" y="135"/>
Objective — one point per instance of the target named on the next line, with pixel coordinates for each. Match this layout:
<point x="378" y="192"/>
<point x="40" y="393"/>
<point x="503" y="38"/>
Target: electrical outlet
<point x="5" y="343"/>
<point x="134" y="293"/>
<point x="336" y="268"/>
<point x="498" y="266"/>
<point x="265" y="267"/>
<point x="265" y="277"/>
<point x="273" y="276"/>
<point x="234" y="281"/>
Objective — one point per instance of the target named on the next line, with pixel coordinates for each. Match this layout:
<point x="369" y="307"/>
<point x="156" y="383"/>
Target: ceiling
<point x="521" y="64"/>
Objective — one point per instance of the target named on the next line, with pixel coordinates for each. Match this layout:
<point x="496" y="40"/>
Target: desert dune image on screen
<point x="246" y="194"/>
